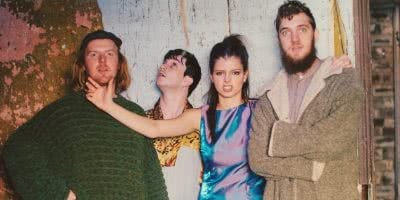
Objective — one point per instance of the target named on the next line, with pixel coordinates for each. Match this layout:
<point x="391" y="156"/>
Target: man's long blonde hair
<point x="79" y="75"/>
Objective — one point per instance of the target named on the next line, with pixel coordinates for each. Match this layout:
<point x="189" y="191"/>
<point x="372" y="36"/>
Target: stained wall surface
<point x="150" y="28"/>
<point x="38" y="40"/>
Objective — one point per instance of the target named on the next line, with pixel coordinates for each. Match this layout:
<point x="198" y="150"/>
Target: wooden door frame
<point x="396" y="57"/>
<point x="363" y="59"/>
<point x="363" y="63"/>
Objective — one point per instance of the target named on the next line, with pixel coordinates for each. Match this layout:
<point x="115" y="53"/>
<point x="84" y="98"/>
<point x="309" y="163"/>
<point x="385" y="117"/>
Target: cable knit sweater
<point x="71" y="145"/>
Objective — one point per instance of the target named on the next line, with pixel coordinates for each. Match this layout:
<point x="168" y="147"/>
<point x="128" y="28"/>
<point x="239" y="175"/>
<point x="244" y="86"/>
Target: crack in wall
<point x="182" y="12"/>
<point x="229" y="17"/>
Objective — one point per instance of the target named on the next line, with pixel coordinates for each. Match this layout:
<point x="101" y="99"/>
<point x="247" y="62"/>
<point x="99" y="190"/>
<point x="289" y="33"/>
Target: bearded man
<point x="304" y="128"/>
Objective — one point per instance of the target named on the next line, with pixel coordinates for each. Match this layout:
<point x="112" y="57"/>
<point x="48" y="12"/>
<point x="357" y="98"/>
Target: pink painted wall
<point x="37" y="44"/>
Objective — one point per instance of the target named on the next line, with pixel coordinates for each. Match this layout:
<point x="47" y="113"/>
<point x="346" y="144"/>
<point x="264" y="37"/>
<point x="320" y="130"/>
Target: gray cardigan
<point x="316" y="157"/>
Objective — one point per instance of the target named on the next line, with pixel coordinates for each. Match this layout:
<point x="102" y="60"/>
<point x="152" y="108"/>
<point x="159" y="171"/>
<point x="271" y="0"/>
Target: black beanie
<point x="99" y="34"/>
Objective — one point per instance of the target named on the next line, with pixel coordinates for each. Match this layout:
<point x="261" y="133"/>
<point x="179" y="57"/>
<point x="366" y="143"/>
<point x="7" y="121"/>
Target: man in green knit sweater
<point x="70" y="149"/>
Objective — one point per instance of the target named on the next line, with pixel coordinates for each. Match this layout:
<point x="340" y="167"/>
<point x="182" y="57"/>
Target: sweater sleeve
<point x="324" y="140"/>
<point x="27" y="165"/>
<point x="264" y="165"/>
<point x="155" y="184"/>
<point x="155" y="188"/>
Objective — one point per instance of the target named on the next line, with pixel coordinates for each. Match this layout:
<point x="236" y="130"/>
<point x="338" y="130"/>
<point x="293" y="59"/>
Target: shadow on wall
<point x="37" y="47"/>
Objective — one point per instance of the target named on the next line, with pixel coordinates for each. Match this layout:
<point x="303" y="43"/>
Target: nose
<point x="227" y="77"/>
<point x="102" y="58"/>
<point x="295" y="37"/>
<point x="163" y="67"/>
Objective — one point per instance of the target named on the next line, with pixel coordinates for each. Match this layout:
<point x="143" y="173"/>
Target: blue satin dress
<point x="226" y="172"/>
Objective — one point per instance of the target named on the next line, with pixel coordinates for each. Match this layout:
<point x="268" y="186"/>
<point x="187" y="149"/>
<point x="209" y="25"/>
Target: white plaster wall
<point x="346" y="9"/>
<point x="150" y="28"/>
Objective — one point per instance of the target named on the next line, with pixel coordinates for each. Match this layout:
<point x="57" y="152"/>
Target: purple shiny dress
<point x="226" y="173"/>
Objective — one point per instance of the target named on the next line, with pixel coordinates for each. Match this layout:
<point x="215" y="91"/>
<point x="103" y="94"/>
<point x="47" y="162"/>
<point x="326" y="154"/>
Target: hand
<point x="100" y="96"/>
<point x="71" y="195"/>
<point x="342" y="62"/>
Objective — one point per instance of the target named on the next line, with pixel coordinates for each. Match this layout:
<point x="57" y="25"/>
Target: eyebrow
<point x="176" y="59"/>
<point x="304" y="25"/>
<point x="235" y="69"/>
<point x="108" y="50"/>
<point x="283" y="28"/>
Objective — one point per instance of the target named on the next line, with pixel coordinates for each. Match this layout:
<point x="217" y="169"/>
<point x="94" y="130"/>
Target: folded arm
<point x="323" y="140"/>
<point x="294" y="167"/>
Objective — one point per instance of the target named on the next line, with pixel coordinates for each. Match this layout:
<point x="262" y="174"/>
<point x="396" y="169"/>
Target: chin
<point x="228" y="95"/>
<point x="103" y="82"/>
<point x="297" y="57"/>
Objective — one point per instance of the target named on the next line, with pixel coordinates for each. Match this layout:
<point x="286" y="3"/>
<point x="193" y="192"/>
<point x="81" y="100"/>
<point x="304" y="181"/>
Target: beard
<point x="293" y="66"/>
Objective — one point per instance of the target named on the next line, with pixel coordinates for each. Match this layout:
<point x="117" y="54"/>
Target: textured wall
<point x="150" y="28"/>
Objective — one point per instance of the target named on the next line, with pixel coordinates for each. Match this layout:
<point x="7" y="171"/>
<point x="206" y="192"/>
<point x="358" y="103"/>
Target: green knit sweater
<point x="71" y="145"/>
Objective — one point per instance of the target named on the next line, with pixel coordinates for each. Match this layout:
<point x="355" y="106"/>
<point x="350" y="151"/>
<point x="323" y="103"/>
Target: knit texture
<point x="71" y="144"/>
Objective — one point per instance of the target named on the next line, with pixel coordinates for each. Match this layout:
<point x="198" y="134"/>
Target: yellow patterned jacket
<point x="167" y="148"/>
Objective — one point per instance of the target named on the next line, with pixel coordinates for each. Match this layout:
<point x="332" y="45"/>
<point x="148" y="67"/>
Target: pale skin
<point x="296" y="37"/>
<point x="174" y="87"/>
<point x="228" y="77"/>
<point x="71" y="195"/>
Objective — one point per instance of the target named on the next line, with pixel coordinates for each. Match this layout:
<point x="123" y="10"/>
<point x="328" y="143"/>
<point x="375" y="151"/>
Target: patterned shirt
<point x="167" y="148"/>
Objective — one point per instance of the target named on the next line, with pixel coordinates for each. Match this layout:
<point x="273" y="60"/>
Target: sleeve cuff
<point x="271" y="139"/>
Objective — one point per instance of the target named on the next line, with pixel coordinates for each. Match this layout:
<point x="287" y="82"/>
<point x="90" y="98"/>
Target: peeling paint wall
<point x="150" y="28"/>
<point x="37" y="44"/>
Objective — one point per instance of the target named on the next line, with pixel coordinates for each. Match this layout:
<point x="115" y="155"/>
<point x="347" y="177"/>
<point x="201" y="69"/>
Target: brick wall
<point x="383" y="100"/>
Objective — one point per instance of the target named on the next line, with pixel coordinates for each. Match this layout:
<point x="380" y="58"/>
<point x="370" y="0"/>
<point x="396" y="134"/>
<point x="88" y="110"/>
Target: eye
<point x="218" y="73"/>
<point x="303" y="30"/>
<point x="110" y="53"/>
<point x="284" y="33"/>
<point x="236" y="73"/>
<point x="92" y="54"/>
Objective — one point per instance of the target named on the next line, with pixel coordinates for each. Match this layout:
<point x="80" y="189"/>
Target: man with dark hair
<point x="305" y="127"/>
<point x="70" y="149"/>
<point x="179" y="156"/>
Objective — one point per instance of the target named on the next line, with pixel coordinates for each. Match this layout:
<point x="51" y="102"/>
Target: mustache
<point x="102" y="66"/>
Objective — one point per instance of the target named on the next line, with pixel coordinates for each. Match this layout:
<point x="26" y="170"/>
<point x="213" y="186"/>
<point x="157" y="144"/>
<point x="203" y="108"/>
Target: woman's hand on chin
<point x="100" y="96"/>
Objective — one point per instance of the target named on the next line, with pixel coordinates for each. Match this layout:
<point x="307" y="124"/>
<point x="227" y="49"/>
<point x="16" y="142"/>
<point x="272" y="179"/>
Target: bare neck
<point x="227" y="103"/>
<point x="172" y="105"/>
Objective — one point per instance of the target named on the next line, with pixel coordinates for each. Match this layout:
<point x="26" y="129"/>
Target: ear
<point x="316" y="35"/>
<point x="187" y="81"/>
<point x="246" y="75"/>
<point x="211" y="78"/>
